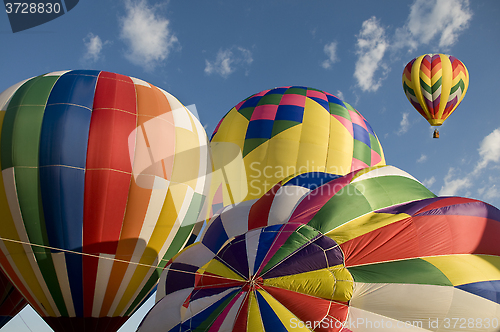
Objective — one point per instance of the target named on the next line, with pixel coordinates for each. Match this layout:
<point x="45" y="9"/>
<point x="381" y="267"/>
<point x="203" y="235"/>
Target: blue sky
<point x="213" y="54"/>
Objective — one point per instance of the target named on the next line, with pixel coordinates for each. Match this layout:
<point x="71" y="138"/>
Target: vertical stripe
<point x="415" y="78"/>
<point x="63" y="152"/>
<point x="252" y="242"/>
<point x="446" y="84"/>
<point x="26" y="258"/>
<point x="154" y="139"/>
<point x="254" y="320"/>
<point x="21" y="132"/>
<point x="101" y="282"/>
<point x="108" y="173"/>
<point x="59" y="259"/>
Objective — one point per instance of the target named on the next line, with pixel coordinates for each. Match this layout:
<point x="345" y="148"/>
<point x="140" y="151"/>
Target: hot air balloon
<point x="370" y="250"/>
<point x="11" y="301"/>
<point x="435" y="84"/>
<point x="284" y="131"/>
<point x="95" y="195"/>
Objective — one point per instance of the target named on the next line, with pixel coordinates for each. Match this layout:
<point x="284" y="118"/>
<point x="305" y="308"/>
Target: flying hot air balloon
<point x="435" y="84"/>
<point x="95" y="195"/>
<point x="371" y="250"/>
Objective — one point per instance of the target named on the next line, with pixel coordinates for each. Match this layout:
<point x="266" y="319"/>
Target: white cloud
<point x="331" y="52"/>
<point x="437" y="23"/>
<point x="489" y="193"/>
<point x="429" y="182"/>
<point x="489" y="151"/>
<point x="453" y="186"/>
<point x="93" y="47"/>
<point x="404" y="125"/>
<point x="371" y="47"/>
<point x="434" y="20"/>
<point x="147" y="34"/>
<point x="227" y="60"/>
<point x="340" y="95"/>
<point x="422" y="158"/>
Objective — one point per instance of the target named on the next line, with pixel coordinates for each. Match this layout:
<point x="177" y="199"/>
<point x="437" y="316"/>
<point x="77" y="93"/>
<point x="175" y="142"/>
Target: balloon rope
<point x="108" y="258"/>
<point x="77" y="253"/>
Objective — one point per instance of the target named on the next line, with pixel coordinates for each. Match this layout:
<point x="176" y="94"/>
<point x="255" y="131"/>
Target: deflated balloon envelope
<point x="94" y="184"/>
<point x="372" y="248"/>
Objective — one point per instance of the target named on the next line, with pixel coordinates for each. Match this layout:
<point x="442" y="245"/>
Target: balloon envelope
<point x="286" y="131"/>
<point x="407" y="256"/>
<point x="95" y="189"/>
<point x="435" y="84"/>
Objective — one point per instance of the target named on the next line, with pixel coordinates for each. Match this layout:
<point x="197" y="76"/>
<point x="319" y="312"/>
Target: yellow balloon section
<point x="284" y="131"/>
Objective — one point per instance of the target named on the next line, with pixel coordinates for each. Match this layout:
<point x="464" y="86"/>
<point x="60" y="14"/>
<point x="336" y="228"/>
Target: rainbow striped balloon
<point x="435" y="84"/>
<point x="95" y="192"/>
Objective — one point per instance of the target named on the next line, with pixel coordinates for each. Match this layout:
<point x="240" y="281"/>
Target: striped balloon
<point x="370" y="250"/>
<point x="103" y="177"/>
<point x="435" y="84"/>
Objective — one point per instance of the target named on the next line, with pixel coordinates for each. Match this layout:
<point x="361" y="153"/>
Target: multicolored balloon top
<point x="292" y="130"/>
<point x="435" y="84"/>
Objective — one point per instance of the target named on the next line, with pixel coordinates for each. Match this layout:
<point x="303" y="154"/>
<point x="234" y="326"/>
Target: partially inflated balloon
<point x="370" y="250"/>
<point x="435" y="84"/>
<point x="103" y="176"/>
<point x="285" y="131"/>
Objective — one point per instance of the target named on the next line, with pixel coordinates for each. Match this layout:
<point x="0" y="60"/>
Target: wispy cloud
<point x="489" y="158"/>
<point x="93" y="47"/>
<point x="441" y="20"/>
<point x="437" y="23"/>
<point x="404" y="124"/>
<point x="340" y="95"/>
<point x="489" y="192"/>
<point x="227" y="61"/>
<point x="489" y="151"/>
<point x="331" y="52"/>
<point x="453" y="184"/>
<point x="146" y="33"/>
<point x="371" y="46"/>
<point x="422" y="158"/>
<point x="429" y="182"/>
